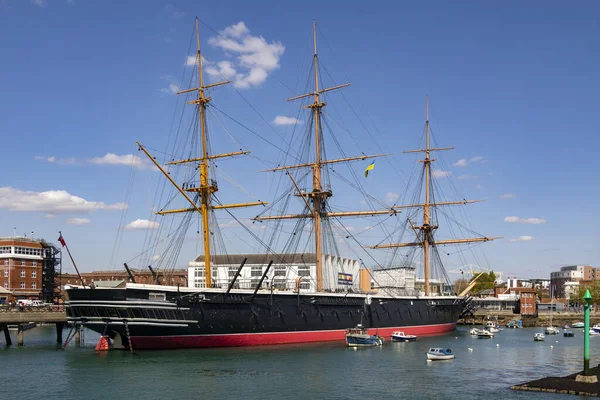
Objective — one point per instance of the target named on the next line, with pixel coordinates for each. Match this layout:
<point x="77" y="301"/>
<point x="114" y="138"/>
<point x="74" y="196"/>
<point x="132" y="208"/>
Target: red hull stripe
<point x="256" y="339"/>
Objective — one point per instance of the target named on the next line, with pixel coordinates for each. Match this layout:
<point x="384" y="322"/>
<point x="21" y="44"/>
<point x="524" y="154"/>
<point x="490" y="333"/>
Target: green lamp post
<point x="586" y="334"/>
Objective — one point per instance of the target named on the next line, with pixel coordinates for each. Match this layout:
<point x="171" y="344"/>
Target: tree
<point x="460" y="285"/>
<point x="485" y="280"/>
<point x="594" y="288"/>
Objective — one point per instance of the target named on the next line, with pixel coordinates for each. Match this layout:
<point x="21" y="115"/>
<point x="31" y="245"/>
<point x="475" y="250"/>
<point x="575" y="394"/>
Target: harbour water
<point x="311" y="371"/>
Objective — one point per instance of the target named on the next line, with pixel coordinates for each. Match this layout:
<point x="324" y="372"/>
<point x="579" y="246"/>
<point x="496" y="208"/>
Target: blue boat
<point x="359" y="337"/>
<point x="402" y="337"/>
<point x="568" y="333"/>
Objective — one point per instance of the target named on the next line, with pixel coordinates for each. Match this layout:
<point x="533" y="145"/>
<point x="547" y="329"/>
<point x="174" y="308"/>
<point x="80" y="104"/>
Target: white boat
<point x="578" y="325"/>
<point x="401" y="337"/>
<point x="474" y="331"/>
<point x="436" y="353"/>
<point x="485" y="334"/>
<point x="593" y="332"/>
<point x="539" y="337"/>
<point x="494" y="330"/>
<point x="551" y="330"/>
<point x="596" y="327"/>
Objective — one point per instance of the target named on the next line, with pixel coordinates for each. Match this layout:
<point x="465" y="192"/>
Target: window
<point x="34" y="263"/>
<point x="22" y="285"/>
<point x="256" y="271"/>
<point x="279" y="283"/>
<point x="5" y="262"/>
<point x="254" y="282"/>
<point x="6" y="273"/>
<point x="279" y="270"/>
<point x="22" y="263"/>
<point x="304" y="270"/>
<point x="34" y="274"/>
<point x="304" y="285"/>
<point x="199" y="273"/>
<point x="157" y="296"/>
<point x="22" y="273"/>
<point x="34" y="285"/>
<point x="231" y="271"/>
<point x="5" y="250"/>
<point x="6" y="284"/>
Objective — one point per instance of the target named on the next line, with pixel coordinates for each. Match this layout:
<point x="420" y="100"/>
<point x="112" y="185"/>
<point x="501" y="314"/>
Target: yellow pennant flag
<point x="369" y="167"/>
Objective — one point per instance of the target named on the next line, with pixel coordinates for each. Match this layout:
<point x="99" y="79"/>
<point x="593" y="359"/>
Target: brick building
<point x="572" y="273"/>
<point x="21" y="262"/>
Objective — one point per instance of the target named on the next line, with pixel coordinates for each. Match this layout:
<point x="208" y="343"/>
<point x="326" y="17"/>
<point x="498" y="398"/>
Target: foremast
<point x="207" y="186"/>
<point x="425" y="232"/>
<point x="319" y="196"/>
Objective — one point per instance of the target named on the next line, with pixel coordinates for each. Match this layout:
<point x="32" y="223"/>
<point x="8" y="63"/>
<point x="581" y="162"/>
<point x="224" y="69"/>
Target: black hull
<point x="211" y="319"/>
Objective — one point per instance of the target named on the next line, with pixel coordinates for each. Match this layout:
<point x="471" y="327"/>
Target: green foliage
<point x="485" y="281"/>
<point x="594" y="288"/>
<point x="460" y="285"/>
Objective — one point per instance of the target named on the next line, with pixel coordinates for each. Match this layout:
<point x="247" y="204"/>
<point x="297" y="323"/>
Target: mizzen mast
<point x="318" y="196"/>
<point x="207" y="186"/>
<point x="425" y="232"/>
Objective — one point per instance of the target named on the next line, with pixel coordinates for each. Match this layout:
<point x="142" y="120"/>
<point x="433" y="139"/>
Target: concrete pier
<point x="19" y="335"/>
<point x="7" y="335"/>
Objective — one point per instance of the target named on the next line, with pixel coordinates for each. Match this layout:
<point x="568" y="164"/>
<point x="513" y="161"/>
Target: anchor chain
<point x="128" y="336"/>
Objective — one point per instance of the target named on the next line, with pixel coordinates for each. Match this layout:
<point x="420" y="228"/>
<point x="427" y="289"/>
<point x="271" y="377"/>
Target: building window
<point x="6" y="273"/>
<point x="34" y="285"/>
<point x="256" y="271"/>
<point x="5" y="250"/>
<point x="22" y="273"/>
<point x="6" y="284"/>
<point x="22" y="285"/>
<point x="22" y="263"/>
<point x="34" y="263"/>
<point x="303" y="270"/>
<point x="5" y="262"/>
<point x="231" y="271"/>
<point x="304" y="285"/>
<point x="34" y="274"/>
<point x="279" y="283"/>
<point x="279" y="270"/>
<point x="199" y="273"/>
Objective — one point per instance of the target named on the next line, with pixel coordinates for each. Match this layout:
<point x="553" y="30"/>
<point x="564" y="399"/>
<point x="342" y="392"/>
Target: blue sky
<point x="512" y="85"/>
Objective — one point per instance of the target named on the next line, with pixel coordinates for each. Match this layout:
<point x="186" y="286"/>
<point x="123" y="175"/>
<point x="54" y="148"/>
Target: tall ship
<point x="286" y="293"/>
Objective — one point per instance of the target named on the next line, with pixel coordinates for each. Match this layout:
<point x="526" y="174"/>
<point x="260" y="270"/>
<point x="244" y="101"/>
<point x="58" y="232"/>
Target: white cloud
<point x="71" y="2"/>
<point x="463" y="162"/>
<point x="508" y="196"/>
<point x="173" y="12"/>
<point x="142" y="224"/>
<point x="465" y="176"/>
<point x="478" y="187"/>
<point x="256" y="57"/>
<point x="78" y="221"/>
<point x="535" y="221"/>
<point x="363" y="201"/>
<point x="438" y="173"/>
<point x="52" y="201"/>
<point x="281" y="120"/>
<point x="155" y="257"/>
<point x="54" y="160"/>
<point x="125" y="159"/>
<point x="40" y="3"/>
<point x="50" y="216"/>
<point x="522" y="239"/>
<point x="172" y="88"/>
<point x="391" y="197"/>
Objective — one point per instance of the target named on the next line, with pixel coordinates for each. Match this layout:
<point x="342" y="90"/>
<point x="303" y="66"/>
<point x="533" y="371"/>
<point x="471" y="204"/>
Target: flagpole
<point x="62" y="241"/>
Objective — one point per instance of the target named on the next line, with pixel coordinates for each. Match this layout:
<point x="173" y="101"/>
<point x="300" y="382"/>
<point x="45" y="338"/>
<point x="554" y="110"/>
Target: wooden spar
<point x="299" y="191"/>
<point x="442" y="203"/>
<point x="217" y="207"/>
<point x="434" y="243"/>
<point x="426" y="232"/>
<point x="345" y="159"/>
<point x="235" y="153"/>
<point x="329" y="214"/>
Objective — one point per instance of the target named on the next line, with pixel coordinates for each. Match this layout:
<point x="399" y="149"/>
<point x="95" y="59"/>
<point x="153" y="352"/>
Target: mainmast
<point x="425" y="232"/>
<point x="207" y="186"/>
<point x="318" y="195"/>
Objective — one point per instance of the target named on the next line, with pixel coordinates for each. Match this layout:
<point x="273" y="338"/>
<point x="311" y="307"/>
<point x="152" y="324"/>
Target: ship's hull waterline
<point x="209" y="318"/>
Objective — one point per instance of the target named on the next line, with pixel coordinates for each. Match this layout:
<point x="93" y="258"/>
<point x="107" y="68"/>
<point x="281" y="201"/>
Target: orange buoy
<point x="103" y="343"/>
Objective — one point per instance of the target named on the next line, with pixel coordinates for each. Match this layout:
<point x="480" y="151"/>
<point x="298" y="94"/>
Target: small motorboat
<point x="359" y="337"/>
<point x="515" y="324"/>
<point x="568" y="333"/>
<point x="474" y="331"/>
<point x="551" y="330"/>
<point x="493" y="329"/>
<point x="436" y="353"/>
<point x="539" y="337"/>
<point x="596" y="327"/>
<point x="578" y="325"/>
<point x="401" y="337"/>
<point x="485" y="334"/>
<point x="593" y="332"/>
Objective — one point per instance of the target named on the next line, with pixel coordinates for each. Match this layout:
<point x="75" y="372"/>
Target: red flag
<point x="61" y="240"/>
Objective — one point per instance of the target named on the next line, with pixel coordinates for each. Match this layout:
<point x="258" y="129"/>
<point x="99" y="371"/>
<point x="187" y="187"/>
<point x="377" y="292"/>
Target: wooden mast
<point x="318" y="196"/>
<point x="207" y="186"/>
<point x="426" y="239"/>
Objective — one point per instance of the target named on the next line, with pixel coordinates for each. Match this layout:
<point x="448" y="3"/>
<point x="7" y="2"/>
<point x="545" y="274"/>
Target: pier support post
<point x="78" y="335"/>
<point x="586" y="333"/>
<point x="59" y="331"/>
<point x="20" y="335"/>
<point x="7" y="335"/>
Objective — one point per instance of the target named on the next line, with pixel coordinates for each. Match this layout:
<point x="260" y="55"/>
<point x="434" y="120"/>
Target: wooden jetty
<point x="54" y="314"/>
